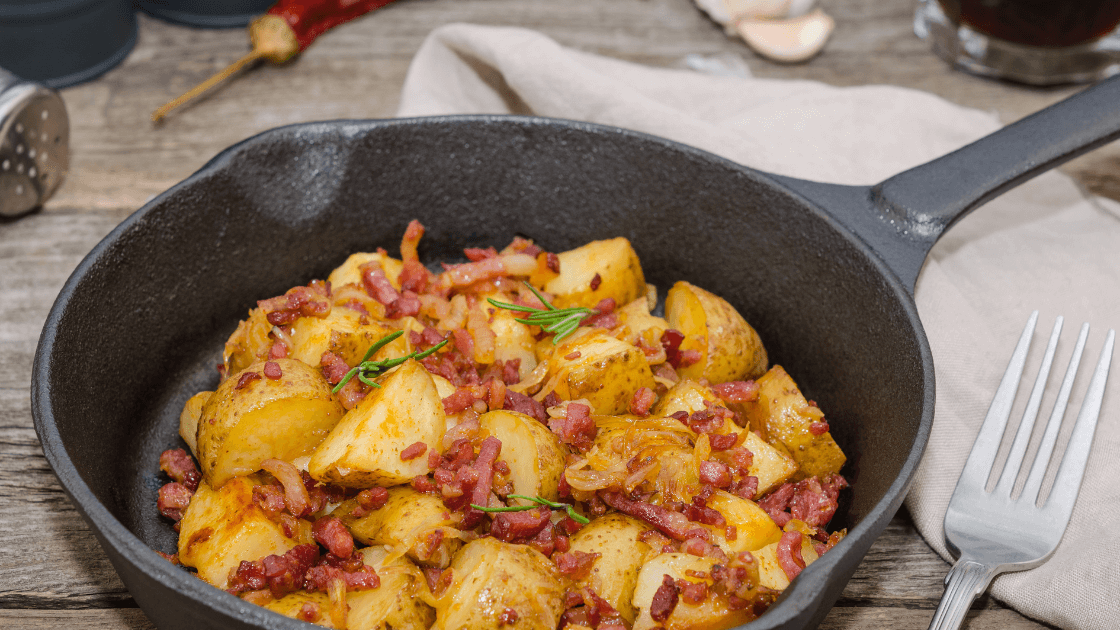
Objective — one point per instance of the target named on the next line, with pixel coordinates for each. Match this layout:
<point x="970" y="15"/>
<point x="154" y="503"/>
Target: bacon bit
<point x="606" y="318"/>
<point x="310" y="301"/>
<point x="278" y="350"/>
<point x="576" y="427"/>
<point x="596" y="281"/>
<point x="332" y="534"/>
<point x="551" y="400"/>
<point x="173" y="558"/>
<point x="720" y="442"/>
<point x="270" y="499"/>
<point x="334" y="367"/>
<point x="819" y="427"/>
<point x="664" y="600"/>
<point x="431" y="544"/>
<point x="715" y="473"/>
<point x="458" y="401"/>
<point x="789" y="554"/>
<point x="376" y="284"/>
<point x="509" y="616"/>
<point x="576" y="564"/>
<point x="741" y="458"/>
<point x="521" y="403"/>
<point x="572" y="356"/>
<point x="672" y="524"/>
<point x="475" y="254"/>
<point x="496" y="394"/>
<point x="173" y="498"/>
<point x="553" y="262"/>
<point x="179" y="465"/>
<point x="546" y="541"/>
<point x="692" y="592"/>
<point x="413" y="451"/>
<point x="281" y="574"/>
<point x="369" y="500"/>
<point x="466" y="274"/>
<point x="407" y="305"/>
<point x="272" y="370"/>
<point x="295" y="493"/>
<point x="309" y="612"/>
<point x="642" y="401"/>
<point x="809" y="500"/>
<point x="463" y="341"/>
<point x="688" y="357"/>
<point x="513" y="526"/>
<point x="421" y="483"/>
<point x="351" y="394"/>
<point x="708" y="420"/>
<point x="671" y="340"/>
<point x="245" y="379"/>
<point x="483" y="473"/>
<point x="737" y="391"/>
<point x="746" y="487"/>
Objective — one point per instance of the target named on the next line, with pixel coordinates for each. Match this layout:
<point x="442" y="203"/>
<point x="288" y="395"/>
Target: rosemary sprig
<point x="572" y="514"/>
<point x="367" y="370"/>
<point x="562" y="321"/>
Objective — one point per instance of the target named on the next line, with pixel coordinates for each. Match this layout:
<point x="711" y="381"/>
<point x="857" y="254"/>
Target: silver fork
<point x="992" y="533"/>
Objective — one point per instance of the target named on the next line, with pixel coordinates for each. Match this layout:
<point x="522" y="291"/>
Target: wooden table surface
<point x="53" y="574"/>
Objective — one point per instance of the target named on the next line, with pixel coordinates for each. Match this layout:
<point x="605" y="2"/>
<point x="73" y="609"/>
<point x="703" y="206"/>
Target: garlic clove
<point x="766" y="9"/>
<point x="790" y="41"/>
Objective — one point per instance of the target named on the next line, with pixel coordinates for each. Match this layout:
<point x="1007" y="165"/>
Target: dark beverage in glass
<point x="1046" y="23"/>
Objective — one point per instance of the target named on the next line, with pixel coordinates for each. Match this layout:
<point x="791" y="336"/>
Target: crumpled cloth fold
<point x="1045" y="245"/>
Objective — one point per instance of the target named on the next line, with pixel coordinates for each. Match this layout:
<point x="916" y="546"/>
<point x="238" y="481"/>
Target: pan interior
<point x="145" y="322"/>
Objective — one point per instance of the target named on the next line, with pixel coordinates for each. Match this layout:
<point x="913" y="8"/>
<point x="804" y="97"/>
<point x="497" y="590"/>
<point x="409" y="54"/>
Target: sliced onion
<point x="337" y="593"/>
<point x="295" y="493"/>
<point x="519" y="264"/>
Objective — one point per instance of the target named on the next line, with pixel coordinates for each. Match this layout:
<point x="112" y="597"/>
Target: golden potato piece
<point x="599" y="368"/>
<point x="188" y="420"/>
<point x="635" y="323"/>
<point x="365" y="448"/>
<point x="292" y="605"/>
<point x="349" y="272"/>
<point x="729" y="348"/>
<point x="535" y="455"/>
<point x="621" y="554"/>
<point x="398" y="604"/>
<point x="406" y="523"/>
<point x="220" y="528"/>
<point x="785" y="418"/>
<point x="490" y="577"/>
<point x="283" y="419"/>
<point x="754" y="529"/>
<point x="713" y="613"/>
<point x="770" y="465"/>
<point x="248" y="344"/>
<point x="514" y="340"/>
<point x="614" y="261"/>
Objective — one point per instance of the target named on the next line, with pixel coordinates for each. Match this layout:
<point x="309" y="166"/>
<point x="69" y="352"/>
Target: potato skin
<point x="613" y="260"/>
<point x="490" y="576"/>
<point x="730" y="349"/>
<point x="621" y="555"/>
<point x="349" y="273"/>
<point x="364" y="449"/>
<point x="714" y="613"/>
<point x="188" y="420"/>
<point x="535" y="455"/>
<point x="398" y="604"/>
<point x="404" y="523"/>
<point x="220" y="528"/>
<point x="602" y="369"/>
<point x="783" y="416"/>
<point x="283" y="419"/>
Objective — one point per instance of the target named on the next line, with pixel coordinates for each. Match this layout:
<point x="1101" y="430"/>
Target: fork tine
<point x="1046" y="448"/>
<point x="1072" y="469"/>
<point x="983" y="455"/>
<point x="1023" y="436"/>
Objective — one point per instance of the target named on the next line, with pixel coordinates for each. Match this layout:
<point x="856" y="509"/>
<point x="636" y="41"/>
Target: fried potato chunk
<point x="535" y="455"/>
<point x="410" y="521"/>
<point x="614" y="262"/>
<point x="364" y="449"/>
<point x="614" y="573"/>
<point x="599" y="368"/>
<point x="730" y="350"/>
<point x="253" y="417"/>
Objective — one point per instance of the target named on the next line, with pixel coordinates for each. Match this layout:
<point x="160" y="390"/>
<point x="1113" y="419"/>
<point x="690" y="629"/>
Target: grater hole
<point x="43" y="115"/>
<point x="31" y="172"/>
<point x="19" y="189"/>
<point x="43" y="137"/>
<point x="6" y="165"/>
<point x="19" y="149"/>
<point x="31" y="153"/>
<point x="19" y="127"/>
<point x="19" y="168"/>
<point x="43" y="157"/>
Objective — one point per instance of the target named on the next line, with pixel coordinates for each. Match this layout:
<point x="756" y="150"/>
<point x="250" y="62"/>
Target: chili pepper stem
<point x="272" y="39"/>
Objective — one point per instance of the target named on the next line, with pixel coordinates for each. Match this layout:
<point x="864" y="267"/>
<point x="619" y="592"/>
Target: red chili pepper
<point x="288" y="28"/>
<point x="309" y="19"/>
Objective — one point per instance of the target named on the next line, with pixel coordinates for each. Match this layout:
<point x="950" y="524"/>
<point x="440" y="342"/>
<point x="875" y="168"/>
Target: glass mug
<point x="1041" y="42"/>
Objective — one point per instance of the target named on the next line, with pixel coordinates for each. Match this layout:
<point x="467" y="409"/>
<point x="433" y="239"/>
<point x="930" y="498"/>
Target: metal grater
<point x="34" y="144"/>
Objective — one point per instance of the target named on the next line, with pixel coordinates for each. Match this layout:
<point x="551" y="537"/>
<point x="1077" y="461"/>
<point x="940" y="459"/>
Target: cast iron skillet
<point x="824" y="272"/>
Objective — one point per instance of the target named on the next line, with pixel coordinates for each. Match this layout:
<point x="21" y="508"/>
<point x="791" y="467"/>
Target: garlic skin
<point x="787" y="31"/>
<point x="788" y="41"/>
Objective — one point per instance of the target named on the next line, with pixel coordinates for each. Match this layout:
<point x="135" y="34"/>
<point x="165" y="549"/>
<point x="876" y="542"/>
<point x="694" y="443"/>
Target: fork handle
<point x="966" y="581"/>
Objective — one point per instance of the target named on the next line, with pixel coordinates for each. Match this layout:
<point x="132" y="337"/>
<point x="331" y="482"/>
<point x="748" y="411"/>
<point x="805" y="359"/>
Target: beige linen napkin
<point x="1042" y="246"/>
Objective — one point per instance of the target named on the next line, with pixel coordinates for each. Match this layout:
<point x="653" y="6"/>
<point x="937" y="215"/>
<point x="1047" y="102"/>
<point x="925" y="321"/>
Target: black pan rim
<point x="798" y="599"/>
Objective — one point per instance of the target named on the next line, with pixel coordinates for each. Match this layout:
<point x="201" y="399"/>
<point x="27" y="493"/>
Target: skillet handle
<point x="928" y="199"/>
<point x="902" y="217"/>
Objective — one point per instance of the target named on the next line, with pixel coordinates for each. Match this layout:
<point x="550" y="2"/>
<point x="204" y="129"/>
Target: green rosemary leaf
<point x="367" y="370"/>
<point x="559" y="321"/>
<point x="381" y="343"/>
